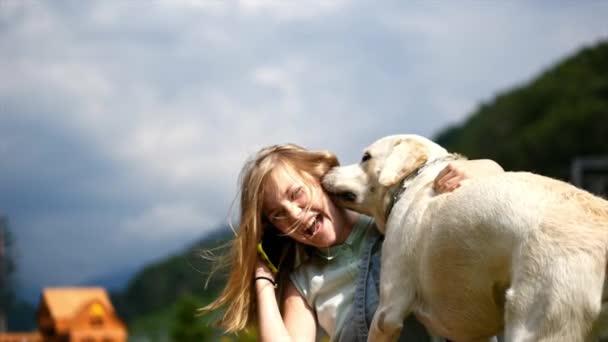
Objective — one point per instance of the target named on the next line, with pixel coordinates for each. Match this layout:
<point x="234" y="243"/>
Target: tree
<point x="7" y="268"/>
<point x="187" y="326"/>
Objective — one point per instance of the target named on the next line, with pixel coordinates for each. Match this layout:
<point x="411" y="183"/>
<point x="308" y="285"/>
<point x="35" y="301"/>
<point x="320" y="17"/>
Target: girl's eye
<point x="276" y="216"/>
<point x="297" y="192"/>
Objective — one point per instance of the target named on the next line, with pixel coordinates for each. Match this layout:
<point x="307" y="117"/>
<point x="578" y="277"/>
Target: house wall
<point x="20" y="337"/>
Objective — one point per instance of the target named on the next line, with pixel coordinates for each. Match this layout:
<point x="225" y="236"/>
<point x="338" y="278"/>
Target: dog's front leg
<point x="394" y="306"/>
<point x="397" y="290"/>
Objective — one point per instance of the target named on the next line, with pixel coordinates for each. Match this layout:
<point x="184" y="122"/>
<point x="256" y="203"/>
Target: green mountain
<point x="160" y="296"/>
<point x="541" y="126"/>
<point x="159" y="284"/>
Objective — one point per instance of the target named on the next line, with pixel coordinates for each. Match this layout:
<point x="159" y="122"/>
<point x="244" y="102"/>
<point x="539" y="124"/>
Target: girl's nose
<point x="293" y="210"/>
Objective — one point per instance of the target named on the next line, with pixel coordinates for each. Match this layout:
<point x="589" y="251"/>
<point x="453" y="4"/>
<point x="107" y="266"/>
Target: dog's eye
<point x="366" y="157"/>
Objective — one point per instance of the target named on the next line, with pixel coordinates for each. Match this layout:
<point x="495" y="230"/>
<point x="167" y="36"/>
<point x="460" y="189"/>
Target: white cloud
<point x="281" y="80"/>
<point x="165" y="220"/>
<point x="470" y="50"/>
<point x="211" y="6"/>
<point x="32" y="18"/>
<point x="290" y="10"/>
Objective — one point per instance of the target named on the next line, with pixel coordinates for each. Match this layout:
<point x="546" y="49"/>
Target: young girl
<point x="324" y="247"/>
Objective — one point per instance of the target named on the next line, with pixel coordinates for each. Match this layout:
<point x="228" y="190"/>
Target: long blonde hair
<point x="238" y="296"/>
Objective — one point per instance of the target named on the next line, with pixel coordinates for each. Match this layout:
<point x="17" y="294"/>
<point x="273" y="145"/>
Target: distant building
<point x="590" y="173"/>
<point x="74" y="314"/>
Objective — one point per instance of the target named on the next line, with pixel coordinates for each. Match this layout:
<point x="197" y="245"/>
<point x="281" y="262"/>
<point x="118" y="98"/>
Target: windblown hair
<point x="238" y="296"/>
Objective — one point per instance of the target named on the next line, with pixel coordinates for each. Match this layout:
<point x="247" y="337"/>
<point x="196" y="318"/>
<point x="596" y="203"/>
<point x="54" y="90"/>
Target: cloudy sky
<point x="123" y="124"/>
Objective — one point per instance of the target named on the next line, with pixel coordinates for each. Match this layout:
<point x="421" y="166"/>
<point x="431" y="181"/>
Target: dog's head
<point x="366" y="187"/>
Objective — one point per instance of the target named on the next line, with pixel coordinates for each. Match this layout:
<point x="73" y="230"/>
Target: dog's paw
<point x="376" y="331"/>
<point x="380" y="323"/>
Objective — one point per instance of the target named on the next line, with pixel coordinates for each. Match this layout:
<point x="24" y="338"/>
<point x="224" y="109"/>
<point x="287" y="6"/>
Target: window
<point x="96" y="321"/>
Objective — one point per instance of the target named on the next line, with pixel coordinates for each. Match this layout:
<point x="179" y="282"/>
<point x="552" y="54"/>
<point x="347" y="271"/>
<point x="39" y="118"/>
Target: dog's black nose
<point x="347" y="196"/>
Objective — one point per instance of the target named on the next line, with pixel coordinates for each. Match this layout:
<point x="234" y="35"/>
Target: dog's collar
<point x="401" y="189"/>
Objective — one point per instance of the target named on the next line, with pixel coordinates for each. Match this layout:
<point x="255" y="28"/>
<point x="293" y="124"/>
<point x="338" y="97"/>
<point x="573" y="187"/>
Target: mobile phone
<point x="272" y="248"/>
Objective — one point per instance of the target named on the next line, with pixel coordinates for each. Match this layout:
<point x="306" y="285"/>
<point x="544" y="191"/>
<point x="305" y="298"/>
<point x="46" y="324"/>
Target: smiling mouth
<point x="314" y="226"/>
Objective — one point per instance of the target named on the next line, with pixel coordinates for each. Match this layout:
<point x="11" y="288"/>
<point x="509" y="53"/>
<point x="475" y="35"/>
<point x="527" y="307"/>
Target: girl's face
<point x="300" y="208"/>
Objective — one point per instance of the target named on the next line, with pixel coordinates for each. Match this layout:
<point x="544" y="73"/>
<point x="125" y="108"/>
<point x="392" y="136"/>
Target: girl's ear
<point x="407" y="155"/>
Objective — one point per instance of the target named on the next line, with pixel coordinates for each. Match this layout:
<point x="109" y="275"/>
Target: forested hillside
<point x="161" y="300"/>
<point x="543" y="125"/>
<point x="159" y="284"/>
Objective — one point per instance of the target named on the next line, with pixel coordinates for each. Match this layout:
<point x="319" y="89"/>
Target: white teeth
<point x="311" y="228"/>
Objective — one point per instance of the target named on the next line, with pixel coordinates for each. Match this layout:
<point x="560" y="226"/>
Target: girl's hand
<point x="450" y="178"/>
<point x="459" y="172"/>
<point x="262" y="270"/>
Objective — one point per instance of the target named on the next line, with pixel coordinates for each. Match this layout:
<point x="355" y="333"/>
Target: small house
<point x="79" y="314"/>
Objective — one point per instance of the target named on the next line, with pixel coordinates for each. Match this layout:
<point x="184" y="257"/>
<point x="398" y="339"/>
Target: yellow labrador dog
<point x="517" y="252"/>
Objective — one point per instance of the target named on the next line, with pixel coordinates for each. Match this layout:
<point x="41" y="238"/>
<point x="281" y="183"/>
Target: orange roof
<point x="66" y="302"/>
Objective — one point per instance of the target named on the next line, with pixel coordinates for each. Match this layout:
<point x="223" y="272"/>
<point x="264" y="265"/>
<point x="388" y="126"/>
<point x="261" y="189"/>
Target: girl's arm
<point x="458" y="171"/>
<point x="298" y="322"/>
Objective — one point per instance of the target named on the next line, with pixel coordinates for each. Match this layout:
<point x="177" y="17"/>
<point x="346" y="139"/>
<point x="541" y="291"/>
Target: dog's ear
<point x="405" y="157"/>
